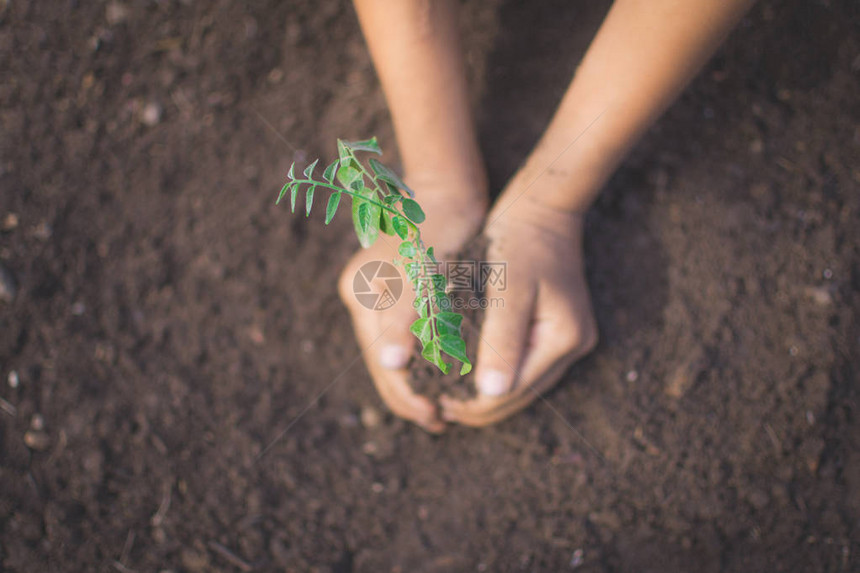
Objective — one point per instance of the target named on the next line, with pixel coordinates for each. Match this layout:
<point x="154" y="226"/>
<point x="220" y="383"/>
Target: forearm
<point x="416" y="50"/>
<point x="642" y="57"/>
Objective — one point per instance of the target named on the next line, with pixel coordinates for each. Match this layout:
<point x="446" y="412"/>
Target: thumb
<point x="396" y="343"/>
<point x="503" y="340"/>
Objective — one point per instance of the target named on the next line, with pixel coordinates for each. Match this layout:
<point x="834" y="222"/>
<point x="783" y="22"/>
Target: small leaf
<point x="448" y="323"/>
<point x="455" y="347"/>
<point x="413" y="211"/>
<point x="431" y="254"/>
<point x="385" y="223"/>
<point x="442" y="301"/>
<point x="309" y="200"/>
<point x="392" y="199"/>
<point x="294" y="189"/>
<point x="365" y="218"/>
<point x="422" y="330"/>
<point x="407" y="249"/>
<point x="283" y="192"/>
<point x="386" y="174"/>
<point x="364" y="145"/>
<point x="347" y="174"/>
<point x="331" y="207"/>
<point x="401" y="227"/>
<point x="330" y="171"/>
<point x="291" y="173"/>
<point x="309" y="170"/>
<point x="344" y="153"/>
<point x="432" y="353"/>
<point x="439" y="282"/>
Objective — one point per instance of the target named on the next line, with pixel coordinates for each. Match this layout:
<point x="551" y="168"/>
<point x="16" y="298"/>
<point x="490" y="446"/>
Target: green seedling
<point x="383" y="203"/>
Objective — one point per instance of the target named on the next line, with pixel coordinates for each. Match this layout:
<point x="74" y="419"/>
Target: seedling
<point x="383" y="203"/>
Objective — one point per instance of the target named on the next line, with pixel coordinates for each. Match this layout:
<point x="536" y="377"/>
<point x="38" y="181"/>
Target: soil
<point x="181" y="388"/>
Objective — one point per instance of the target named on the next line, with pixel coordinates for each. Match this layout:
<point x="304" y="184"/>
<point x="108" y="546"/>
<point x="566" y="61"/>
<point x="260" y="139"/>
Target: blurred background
<point x="162" y="323"/>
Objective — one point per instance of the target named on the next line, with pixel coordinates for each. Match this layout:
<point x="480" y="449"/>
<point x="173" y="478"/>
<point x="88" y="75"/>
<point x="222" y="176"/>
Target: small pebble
<point x="13" y="379"/>
<point x="576" y="559"/>
<point x="151" y="114"/>
<point x="8" y="288"/>
<point x="37" y="440"/>
<point x="308" y="346"/>
<point x="37" y="422"/>
<point x="828" y="274"/>
<point x="43" y="231"/>
<point x="115" y="13"/>
<point x="370" y="417"/>
<point x="370" y="448"/>
<point x="79" y="308"/>
<point x="377" y="487"/>
<point x="10" y="222"/>
<point x="820" y="295"/>
<point x="632" y="376"/>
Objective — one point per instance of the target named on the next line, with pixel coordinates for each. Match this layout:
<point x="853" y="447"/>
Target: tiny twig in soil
<point x="158" y="517"/>
<point x="231" y="557"/>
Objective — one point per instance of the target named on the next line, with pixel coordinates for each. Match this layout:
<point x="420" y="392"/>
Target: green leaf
<point x="291" y="173"/>
<point x="283" y="192"/>
<point x="385" y="223"/>
<point x="309" y="200"/>
<point x="448" y="323"/>
<point x="330" y="171"/>
<point x="433" y="354"/>
<point x="348" y="174"/>
<point x="392" y="199"/>
<point x="422" y="329"/>
<point x="413" y="211"/>
<point x="344" y="153"/>
<point x="386" y="174"/>
<point x="442" y="301"/>
<point x="294" y="188"/>
<point x="365" y="217"/>
<point x="401" y="227"/>
<point x="455" y="347"/>
<point x="309" y="170"/>
<point x="331" y="207"/>
<point x="364" y="145"/>
<point x="439" y="282"/>
<point x="407" y="249"/>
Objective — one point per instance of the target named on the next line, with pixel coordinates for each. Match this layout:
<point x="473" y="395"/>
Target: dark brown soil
<point x="169" y="324"/>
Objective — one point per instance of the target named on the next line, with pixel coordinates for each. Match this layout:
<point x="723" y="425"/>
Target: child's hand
<point x="455" y="212"/>
<point x="544" y="322"/>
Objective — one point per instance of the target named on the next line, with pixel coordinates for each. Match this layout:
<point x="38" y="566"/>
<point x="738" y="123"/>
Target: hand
<point x="455" y="211"/>
<point x="545" y="321"/>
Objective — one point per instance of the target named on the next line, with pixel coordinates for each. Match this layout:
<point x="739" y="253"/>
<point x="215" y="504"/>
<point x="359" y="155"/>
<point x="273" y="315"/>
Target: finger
<point x="557" y="340"/>
<point x="503" y="338"/>
<point x="388" y="370"/>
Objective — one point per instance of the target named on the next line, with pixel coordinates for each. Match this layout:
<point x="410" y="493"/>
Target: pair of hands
<point x="544" y="324"/>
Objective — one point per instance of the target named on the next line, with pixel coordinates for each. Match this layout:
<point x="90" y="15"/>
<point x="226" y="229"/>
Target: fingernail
<point x="394" y="357"/>
<point x="494" y="383"/>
